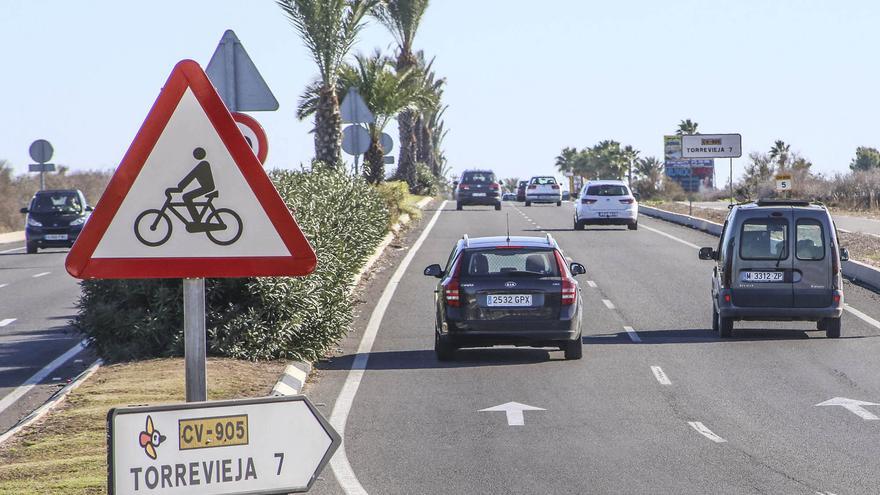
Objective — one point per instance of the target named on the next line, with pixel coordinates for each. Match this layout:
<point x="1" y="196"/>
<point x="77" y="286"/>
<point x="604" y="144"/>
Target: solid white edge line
<point x="12" y="250"/>
<point x="3" y="285"/>
<point x="632" y="334"/>
<point x="592" y="284"/>
<point x="7" y="321"/>
<point x="39" y="376"/>
<point x="706" y="432"/>
<point x="660" y="375"/>
<point x="42" y="274"/>
<point x="339" y="463"/>
<point x="608" y="304"/>
<point x="676" y="239"/>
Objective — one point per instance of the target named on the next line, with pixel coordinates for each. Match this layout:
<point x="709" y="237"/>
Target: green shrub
<point x="397" y="200"/>
<point x="253" y="318"/>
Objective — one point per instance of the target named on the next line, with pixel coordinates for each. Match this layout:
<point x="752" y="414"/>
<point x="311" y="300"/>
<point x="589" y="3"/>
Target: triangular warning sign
<point x="190" y="199"/>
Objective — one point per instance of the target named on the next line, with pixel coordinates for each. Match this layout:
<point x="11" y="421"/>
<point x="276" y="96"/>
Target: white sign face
<point x="783" y="183"/>
<point x="190" y="200"/>
<point x="711" y="146"/>
<point x="269" y="445"/>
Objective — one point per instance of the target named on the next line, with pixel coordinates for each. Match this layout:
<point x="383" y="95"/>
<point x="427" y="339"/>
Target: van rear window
<point x="607" y="190"/>
<point x="810" y="244"/>
<point x="764" y="239"/>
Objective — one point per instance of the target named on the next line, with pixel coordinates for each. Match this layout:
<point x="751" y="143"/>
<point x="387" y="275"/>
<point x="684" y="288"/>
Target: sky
<point x="524" y="78"/>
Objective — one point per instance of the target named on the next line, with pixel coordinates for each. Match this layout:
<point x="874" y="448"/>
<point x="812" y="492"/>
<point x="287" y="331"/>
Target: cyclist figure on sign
<point x="202" y="176"/>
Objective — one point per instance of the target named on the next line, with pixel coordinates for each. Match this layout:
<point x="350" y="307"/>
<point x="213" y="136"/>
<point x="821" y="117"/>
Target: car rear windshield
<point x="764" y="239"/>
<point x="509" y="262"/>
<point x="61" y="202"/>
<point x="607" y="190"/>
<point x="478" y="177"/>
<point x="543" y="181"/>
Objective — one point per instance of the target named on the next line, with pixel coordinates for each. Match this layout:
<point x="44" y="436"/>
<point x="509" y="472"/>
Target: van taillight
<point x="452" y="289"/>
<point x="569" y="289"/>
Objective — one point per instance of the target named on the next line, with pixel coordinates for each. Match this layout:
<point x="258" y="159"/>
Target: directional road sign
<point x="254" y="134"/>
<point x="190" y="199"/>
<point x="387" y="143"/>
<point x="41" y="167"/>
<point x="711" y="146"/>
<point x="355" y="140"/>
<point x="267" y="445"/>
<point x="237" y="79"/>
<point x="41" y="151"/>
<point x="354" y="110"/>
<point x="783" y="182"/>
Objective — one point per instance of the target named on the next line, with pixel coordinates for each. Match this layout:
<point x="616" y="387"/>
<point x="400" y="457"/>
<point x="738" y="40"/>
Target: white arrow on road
<point x="514" y="412"/>
<point x="852" y="405"/>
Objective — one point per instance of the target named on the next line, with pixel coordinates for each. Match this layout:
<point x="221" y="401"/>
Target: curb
<point x="297" y="372"/>
<point x="853" y="270"/>
<point x="53" y="401"/>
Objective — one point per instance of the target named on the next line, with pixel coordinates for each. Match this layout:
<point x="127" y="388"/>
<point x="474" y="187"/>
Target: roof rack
<point x="467" y="242"/>
<point x="783" y="202"/>
<point x="550" y="239"/>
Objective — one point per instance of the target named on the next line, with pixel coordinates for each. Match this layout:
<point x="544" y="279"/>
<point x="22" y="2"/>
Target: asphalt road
<point x="37" y="299"/>
<point x="733" y="416"/>
<point x="850" y="223"/>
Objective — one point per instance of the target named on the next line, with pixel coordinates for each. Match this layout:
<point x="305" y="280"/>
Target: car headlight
<point x="33" y="223"/>
<point x="78" y="221"/>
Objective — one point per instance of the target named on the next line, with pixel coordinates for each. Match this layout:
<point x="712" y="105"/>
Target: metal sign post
<point x="195" y="341"/>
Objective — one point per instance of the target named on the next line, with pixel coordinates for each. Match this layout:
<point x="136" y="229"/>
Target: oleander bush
<point x="343" y="217"/>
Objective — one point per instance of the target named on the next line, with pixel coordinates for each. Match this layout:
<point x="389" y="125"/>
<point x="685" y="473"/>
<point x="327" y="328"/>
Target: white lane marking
<point x="867" y="319"/>
<point x="608" y="304"/>
<point x="40" y="376"/>
<point x="592" y="284"/>
<point x="7" y="321"/>
<point x="686" y="243"/>
<point x="514" y="412"/>
<point x="3" y="285"/>
<point x="706" y="432"/>
<point x="42" y="274"/>
<point x="632" y="334"/>
<point x="339" y="463"/>
<point x="660" y="375"/>
<point x="537" y="226"/>
<point x="12" y="250"/>
<point x="854" y="406"/>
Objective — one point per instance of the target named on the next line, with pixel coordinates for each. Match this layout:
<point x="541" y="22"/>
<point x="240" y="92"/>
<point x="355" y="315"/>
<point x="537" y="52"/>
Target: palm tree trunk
<point x="406" y="166"/>
<point x="374" y="162"/>
<point x="328" y="129"/>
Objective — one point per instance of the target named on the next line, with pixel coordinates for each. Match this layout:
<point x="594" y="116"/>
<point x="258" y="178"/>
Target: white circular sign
<point x="253" y="133"/>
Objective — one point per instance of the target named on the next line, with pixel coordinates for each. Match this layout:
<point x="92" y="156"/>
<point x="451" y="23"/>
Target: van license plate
<point x="56" y="237"/>
<point x="502" y="300"/>
<point x="762" y="276"/>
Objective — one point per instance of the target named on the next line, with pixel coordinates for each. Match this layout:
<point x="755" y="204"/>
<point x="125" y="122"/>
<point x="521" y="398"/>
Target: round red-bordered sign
<point x="254" y="134"/>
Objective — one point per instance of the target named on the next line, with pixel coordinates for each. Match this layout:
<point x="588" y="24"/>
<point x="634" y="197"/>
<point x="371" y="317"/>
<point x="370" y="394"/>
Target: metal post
<point x="194" y="339"/>
<point x="43" y="179"/>
<point x="231" y="90"/>
<point x="731" y="180"/>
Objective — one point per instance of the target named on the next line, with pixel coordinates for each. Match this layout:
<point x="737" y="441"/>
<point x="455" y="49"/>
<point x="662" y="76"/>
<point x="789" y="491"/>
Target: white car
<point x="606" y="202"/>
<point x="543" y="189"/>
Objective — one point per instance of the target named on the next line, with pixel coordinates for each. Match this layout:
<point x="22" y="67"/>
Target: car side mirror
<point x="577" y="269"/>
<point x="707" y="253"/>
<point x="434" y="270"/>
<point x="90" y="208"/>
<point x="844" y="254"/>
<point x="23" y="210"/>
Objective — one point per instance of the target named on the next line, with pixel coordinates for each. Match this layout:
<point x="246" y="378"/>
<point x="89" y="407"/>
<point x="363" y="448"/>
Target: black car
<point x="478" y="187"/>
<point x="55" y="218"/>
<point x="507" y="291"/>
<point x="521" y="190"/>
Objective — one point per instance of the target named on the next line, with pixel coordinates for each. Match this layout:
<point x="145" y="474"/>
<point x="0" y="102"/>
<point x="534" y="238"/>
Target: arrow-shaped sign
<point x="854" y="406"/>
<point x="514" y="411"/>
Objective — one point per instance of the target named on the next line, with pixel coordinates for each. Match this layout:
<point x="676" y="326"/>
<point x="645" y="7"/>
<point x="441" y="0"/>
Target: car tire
<point x="458" y="206"/>
<point x="31" y="248"/>
<point x="832" y="328"/>
<point x="498" y="207"/>
<point x="725" y="327"/>
<point x="559" y="203"/>
<point x="578" y="225"/>
<point x="574" y="349"/>
<point x="715" y="325"/>
<point x="443" y="349"/>
<point x="528" y="203"/>
<point x="633" y="226"/>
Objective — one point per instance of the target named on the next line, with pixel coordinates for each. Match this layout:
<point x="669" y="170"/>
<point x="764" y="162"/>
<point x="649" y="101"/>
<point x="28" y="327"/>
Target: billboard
<point x="692" y="174"/>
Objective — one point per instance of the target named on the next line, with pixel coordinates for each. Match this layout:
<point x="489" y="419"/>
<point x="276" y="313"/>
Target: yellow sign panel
<point x="219" y="431"/>
<point x="783" y="176"/>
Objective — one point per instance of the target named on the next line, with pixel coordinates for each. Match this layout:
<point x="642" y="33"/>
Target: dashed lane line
<point x="3" y="285"/>
<point x="592" y="284"/>
<point x="660" y="375"/>
<point x="7" y="321"/>
<point x="706" y="432"/>
<point x="633" y="335"/>
<point x="608" y="304"/>
<point x="42" y="274"/>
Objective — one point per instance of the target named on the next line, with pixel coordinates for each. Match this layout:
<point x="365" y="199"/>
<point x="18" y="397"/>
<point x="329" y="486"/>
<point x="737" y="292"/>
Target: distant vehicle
<point x="777" y="260"/>
<point x="507" y="291"/>
<point x="478" y="187"/>
<point x="543" y="189"/>
<point x="55" y="218"/>
<point x="606" y="202"/>
<point x="509" y="197"/>
<point x="566" y="195"/>
<point x="521" y="190"/>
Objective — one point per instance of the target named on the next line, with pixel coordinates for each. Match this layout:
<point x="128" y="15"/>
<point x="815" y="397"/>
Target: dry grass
<point x="66" y="452"/>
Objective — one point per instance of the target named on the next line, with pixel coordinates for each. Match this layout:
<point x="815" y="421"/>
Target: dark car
<point x="55" y="218"/>
<point x="507" y="291"/>
<point x="521" y="190"/>
<point x="777" y="260"/>
<point x="478" y="187"/>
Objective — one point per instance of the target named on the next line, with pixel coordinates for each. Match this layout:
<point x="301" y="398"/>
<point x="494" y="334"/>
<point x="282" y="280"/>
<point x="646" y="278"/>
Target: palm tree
<point x="385" y="91"/>
<point x="630" y="154"/>
<point x="687" y="127"/>
<point x="565" y="161"/>
<point x="402" y="18"/>
<point x="429" y="116"/>
<point x="649" y="171"/>
<point x="328" y="28"/>
<point x="780" y="153"/>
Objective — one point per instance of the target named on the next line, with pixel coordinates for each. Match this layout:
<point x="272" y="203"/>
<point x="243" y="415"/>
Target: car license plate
<point x="607" y="214"/>
<point x="56" y="237"/>
<point x="501" y="300"/>
<point x="478" y="195"/>
<point x="762" y="276"/>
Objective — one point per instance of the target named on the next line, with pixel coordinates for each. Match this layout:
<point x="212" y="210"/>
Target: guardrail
<point x="853" y="270"/>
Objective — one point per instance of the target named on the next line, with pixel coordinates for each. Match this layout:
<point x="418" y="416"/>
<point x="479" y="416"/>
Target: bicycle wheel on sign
<point x="152" y="227"/>
<point x="233" y="228"/>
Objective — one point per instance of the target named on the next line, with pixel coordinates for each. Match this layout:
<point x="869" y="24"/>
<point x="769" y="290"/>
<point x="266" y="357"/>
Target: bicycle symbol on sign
<point x="222" y="225"/>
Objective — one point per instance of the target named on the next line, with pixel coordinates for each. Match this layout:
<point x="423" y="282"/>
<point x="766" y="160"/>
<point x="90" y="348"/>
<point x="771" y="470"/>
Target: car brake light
<point x="628" y="201"/>
<point x="726" y="297"/>
<point x="588" y="201"/>
<point x="493" y="186"/>
<point x="533" y="187"/>
<point x="452" y="289"/>
<point x="464" y="186"/>
<point x="569" y="290"/>
<point x="554" y="186"/>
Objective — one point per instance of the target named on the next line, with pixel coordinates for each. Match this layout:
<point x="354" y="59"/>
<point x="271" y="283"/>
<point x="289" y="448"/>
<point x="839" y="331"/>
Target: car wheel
<point x="31" y="248"/>
<point x="498" y="207"/>
<point x="832" y="328"/>
<point x="443" y="348"/>
<point x="715" y="325"/>
<point x="574" y="349"/>
<point x="633" y="226"/>
<point x="458" y="206"/>
<point x="559" y="203"/>
<point x="725" y="327"/>
<point x="578" y="225"/>
<point x="528" y="203"/>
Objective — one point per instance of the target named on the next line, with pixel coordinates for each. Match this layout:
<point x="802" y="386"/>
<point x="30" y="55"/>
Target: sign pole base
<point x="194" y="339"/>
